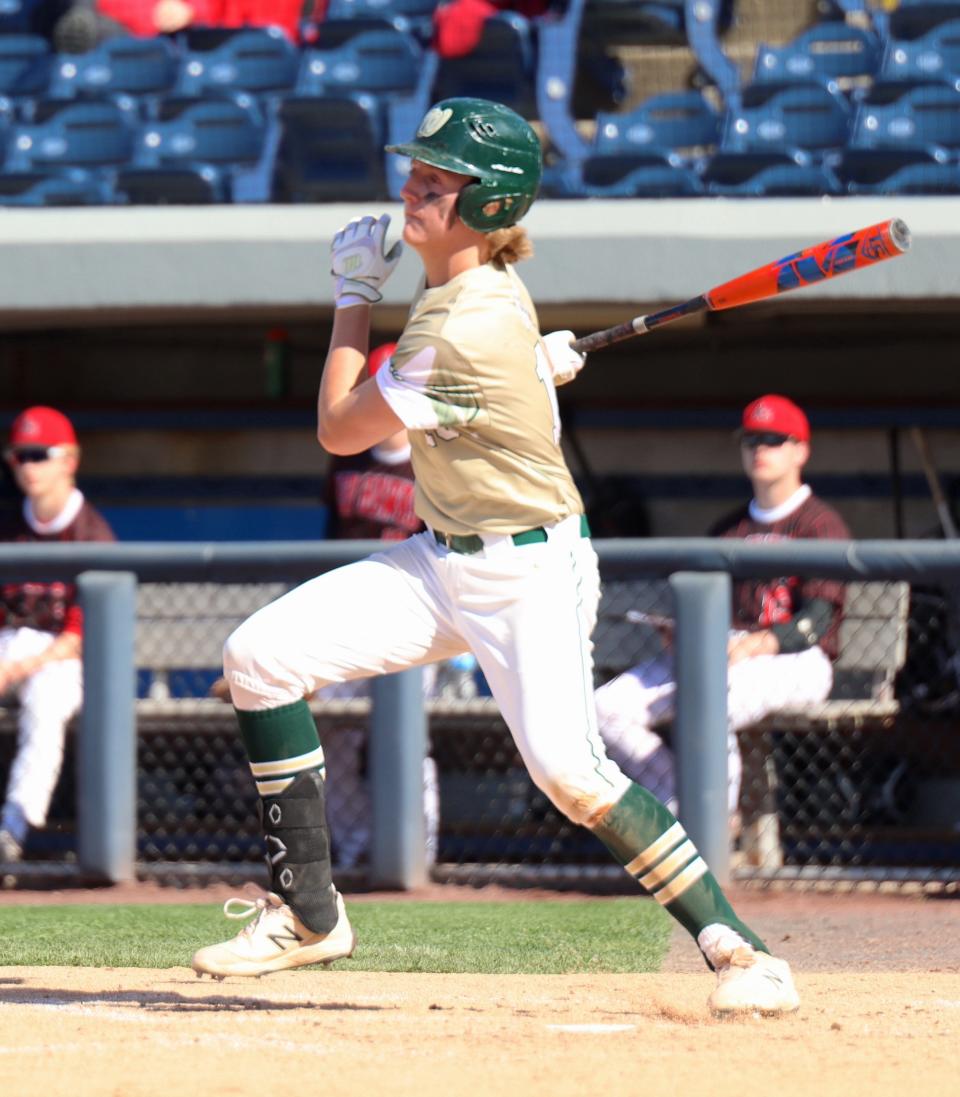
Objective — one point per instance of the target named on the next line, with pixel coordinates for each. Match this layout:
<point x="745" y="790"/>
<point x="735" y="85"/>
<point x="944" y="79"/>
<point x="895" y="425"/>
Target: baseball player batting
<point x="505" y="568"/>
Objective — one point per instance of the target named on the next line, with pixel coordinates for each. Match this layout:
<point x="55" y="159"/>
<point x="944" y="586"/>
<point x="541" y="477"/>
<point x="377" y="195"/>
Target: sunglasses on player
<point x="763" y="438"/>
<point x="24" y="455"/>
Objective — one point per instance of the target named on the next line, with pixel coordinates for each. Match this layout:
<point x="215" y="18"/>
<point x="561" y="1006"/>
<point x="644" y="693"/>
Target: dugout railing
<point x="156" y="783"/>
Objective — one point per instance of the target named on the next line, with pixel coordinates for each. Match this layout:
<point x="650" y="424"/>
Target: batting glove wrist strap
<point x="360" y="264"/>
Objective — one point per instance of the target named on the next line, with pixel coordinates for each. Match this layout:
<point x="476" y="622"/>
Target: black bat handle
<point x="608" y="336"/>
<point x="639" y="324"/>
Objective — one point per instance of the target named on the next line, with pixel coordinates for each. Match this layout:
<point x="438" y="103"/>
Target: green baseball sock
<point x="286" y="760"/>
<point x="654" y="848"/>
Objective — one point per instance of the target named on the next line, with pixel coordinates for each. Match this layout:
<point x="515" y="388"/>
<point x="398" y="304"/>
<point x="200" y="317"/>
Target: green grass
<point x="545" y="937"/>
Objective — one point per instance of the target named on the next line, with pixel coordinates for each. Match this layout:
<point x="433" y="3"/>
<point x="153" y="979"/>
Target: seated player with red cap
<point x="783" y="636"/>
<point x="40" y="623"/>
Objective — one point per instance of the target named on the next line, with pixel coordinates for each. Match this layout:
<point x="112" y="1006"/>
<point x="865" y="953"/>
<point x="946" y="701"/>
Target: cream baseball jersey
<point x="471" y="382"/>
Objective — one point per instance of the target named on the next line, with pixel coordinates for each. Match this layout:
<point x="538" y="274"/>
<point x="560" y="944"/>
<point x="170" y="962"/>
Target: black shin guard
<point x="298" y="851"/>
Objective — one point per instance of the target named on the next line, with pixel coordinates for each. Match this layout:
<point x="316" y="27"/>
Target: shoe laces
<point x="238" y="908"/>
<point x="742" y="956"/>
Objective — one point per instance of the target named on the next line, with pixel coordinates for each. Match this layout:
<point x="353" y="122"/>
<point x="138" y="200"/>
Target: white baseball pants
<point x="630" y="706"/>
<point x="48" y="700"/>
<point x="525" y="611"/>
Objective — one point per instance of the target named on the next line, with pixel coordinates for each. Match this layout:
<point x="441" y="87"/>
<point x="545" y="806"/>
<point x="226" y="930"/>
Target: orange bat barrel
<point x="814" y="264"/>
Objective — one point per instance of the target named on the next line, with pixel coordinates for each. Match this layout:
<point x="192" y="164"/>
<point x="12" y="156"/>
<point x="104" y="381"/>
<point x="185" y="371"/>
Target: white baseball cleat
<point x="274" y="941"/>
<point x="749" y="981"/>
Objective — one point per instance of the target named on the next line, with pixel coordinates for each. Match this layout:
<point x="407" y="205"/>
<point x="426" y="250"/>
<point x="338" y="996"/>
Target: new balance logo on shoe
<point x="278" y="938"/>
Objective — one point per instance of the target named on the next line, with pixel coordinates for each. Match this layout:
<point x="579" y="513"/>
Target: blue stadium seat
<point x="782" y="181"/>
<point x="933" y="58"/>
<point x="501" y="67"/>
<point x="649" y="22"/>
<point x="261" y="62"/>
<point x="834" y="54"/>
<point x="215" y="147"/>
<point x="413" y="16"/>
<point x="131" y="71"/>
<point x="606" y="171"/>
<point x="89" y="136"/>
<point x="20" y="16"/>
<point x="672" y="121"/>
<point x="647" y="181"/>
<point x="26" y="62"/>
<point x="915" y="18"/>
<point x="806" y="116"/>
<point x="38" y="189"/>
<point x="923" y="179"/>
<point x="636" y="22"/>
<point x="725" y="171"/>
<point x="866" y="170"/>
<point x="330" y="149"/>
<point x="376" y="61"/>
<point x="925" y="117"/>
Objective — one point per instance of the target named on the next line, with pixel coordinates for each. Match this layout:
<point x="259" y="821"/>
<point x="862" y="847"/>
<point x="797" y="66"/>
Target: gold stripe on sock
<point x="690" y="875"/>
<point x="665" y="842"/>
<point x="662" y="872"/>
<point x="310" y="760"/>
<point x="274" y="788"/>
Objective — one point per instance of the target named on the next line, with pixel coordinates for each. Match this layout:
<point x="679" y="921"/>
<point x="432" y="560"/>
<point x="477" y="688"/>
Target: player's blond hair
<point x="509" y="245"/>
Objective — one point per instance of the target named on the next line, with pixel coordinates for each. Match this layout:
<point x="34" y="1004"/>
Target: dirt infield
<point x="879" y="976"/>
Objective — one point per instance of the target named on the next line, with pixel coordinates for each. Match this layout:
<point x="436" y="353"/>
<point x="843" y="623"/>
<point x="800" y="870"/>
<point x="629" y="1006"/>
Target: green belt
<point x="469" y="543"/>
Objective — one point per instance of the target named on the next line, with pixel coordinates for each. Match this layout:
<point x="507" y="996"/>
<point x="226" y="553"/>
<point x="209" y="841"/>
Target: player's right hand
<point x="360" y="264"/>
<point x="565" y="362"/>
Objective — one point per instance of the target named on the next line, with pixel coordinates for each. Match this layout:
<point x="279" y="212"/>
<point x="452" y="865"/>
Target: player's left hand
<point x="360" y="263"/>
<point x="565" y="362"/>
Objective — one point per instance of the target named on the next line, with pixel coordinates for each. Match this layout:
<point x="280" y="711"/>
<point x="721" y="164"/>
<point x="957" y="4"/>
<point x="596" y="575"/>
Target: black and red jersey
<point x="369" y="498"/>
<point x="759" y="604"/>
<point x="51" y="607"/>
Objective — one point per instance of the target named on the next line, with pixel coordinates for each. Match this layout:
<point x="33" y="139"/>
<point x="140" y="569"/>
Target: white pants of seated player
<point x="48" y="699"/>
<point x="525" y="611"/>
<point x="347" y="788"/>
<point x="630" y="706"/>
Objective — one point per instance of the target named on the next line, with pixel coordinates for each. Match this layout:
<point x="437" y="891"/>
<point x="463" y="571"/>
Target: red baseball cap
<point x="42" y="426"/>
<point x="378" y="356"/>
<point x="777" y="414"/>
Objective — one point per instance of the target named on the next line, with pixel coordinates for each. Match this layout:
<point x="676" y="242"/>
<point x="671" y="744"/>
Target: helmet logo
<point x="434" y="120"/>
<point x="483" y="128"/>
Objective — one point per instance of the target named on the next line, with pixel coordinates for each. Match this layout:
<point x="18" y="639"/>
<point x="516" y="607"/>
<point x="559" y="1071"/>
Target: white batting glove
<point x="360" y="265"/>
<point x="565" y="362"/>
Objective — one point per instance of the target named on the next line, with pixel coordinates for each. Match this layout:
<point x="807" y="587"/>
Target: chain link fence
<point x="865" y="786"/>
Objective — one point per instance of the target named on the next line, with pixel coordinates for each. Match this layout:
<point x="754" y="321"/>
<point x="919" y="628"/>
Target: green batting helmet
<point x="489" y="142"/>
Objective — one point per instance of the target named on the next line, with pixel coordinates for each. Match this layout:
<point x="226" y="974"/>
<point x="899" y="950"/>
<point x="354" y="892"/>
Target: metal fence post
<point x="700" y="729"/>
<point x="398" y="741"/>
<point x="107" y="748"/>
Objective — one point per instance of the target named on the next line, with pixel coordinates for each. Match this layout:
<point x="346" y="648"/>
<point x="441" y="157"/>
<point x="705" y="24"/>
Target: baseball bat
<point x="817" y="263"/>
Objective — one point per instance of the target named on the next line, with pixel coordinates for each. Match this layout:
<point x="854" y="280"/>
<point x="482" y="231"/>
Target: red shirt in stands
<point x="458" y="25"/>
<point x="51" y="607"/>
<point x="758" y="604"/>
<point x="137" y="15"/>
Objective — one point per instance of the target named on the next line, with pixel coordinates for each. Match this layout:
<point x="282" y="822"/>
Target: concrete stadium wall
<point x="598" y="258"/>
